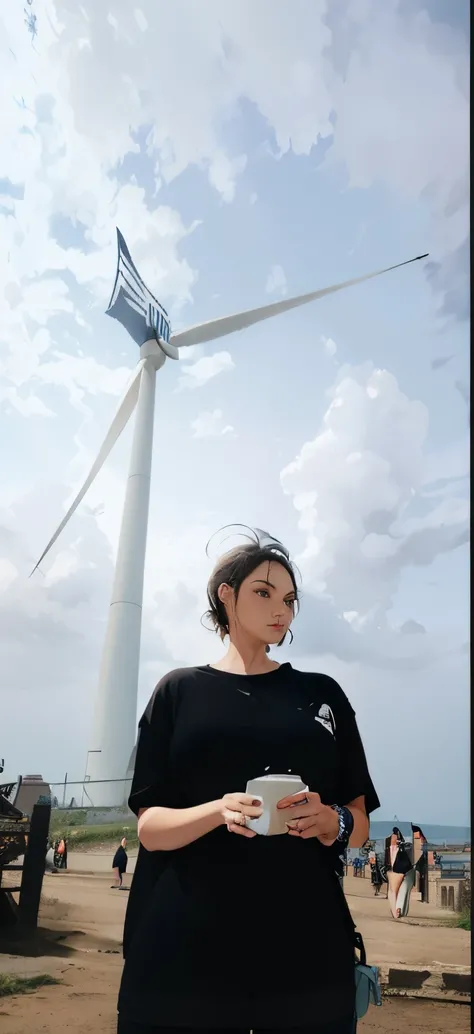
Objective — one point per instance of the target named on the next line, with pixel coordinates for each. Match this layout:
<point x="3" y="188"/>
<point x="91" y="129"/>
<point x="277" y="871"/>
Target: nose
<point x="279" y="616"/>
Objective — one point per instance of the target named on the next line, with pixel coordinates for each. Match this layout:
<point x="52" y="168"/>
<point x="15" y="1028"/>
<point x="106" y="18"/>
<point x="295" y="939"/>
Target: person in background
<point x="61" y="852"/>
<point x="57" y="859"/>
<point x="375" y="873"/>
<point x="400" y="874"/>
<point x="49" y="864"/>
<point x="119" y="865"/>
<point x="421" y="865"/>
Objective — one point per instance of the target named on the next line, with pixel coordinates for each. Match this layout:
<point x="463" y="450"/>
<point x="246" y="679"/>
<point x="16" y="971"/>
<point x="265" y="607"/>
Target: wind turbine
<point x="132" y="304"/>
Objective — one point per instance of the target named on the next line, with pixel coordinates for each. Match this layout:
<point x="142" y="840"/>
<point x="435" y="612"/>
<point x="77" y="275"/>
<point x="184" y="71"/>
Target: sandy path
<point x="83" y="919"/>
<point x="418" y="940"/>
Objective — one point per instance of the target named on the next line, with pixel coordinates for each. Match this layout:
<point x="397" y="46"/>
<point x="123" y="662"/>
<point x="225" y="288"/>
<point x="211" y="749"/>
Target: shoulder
<point x="324" y="686"/>
<point x="168" y="691"/>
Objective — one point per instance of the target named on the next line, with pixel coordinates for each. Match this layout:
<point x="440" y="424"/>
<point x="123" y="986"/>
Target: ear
<point x="225" y="593"/>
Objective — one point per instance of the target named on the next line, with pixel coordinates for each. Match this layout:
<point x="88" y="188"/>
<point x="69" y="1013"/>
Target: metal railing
<point x="103" y="795"/>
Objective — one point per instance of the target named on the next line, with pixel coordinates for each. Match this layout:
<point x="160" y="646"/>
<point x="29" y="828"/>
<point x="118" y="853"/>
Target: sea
<point x="436" y="835"/>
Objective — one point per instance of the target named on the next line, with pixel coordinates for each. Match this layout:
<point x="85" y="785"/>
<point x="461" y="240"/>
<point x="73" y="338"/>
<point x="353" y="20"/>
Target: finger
<point x="238" y="818"/>
<point x="304" y="834"/>
<point x="304" y="811"/>
<point x="252" y="812"/>
<point x="245" y="798"/>
<point x="301" y="824"/>
<point x="303" y="797"/>
<point x="233" y="818"/>
<point x="234" y="827"/>
<point x="294" y="798"/>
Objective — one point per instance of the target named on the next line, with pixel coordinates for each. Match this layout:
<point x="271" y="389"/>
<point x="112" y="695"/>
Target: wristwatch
<point x="346" y="824"/>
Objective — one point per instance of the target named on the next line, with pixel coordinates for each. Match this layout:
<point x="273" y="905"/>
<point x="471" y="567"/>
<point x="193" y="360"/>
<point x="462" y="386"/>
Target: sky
<point x="248" y="152"/>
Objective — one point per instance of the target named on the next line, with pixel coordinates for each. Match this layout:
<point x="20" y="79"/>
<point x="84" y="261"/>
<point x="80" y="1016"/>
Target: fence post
<point x="33" y="867"/>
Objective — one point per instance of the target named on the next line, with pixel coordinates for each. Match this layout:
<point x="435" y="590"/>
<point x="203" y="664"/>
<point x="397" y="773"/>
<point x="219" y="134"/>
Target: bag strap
<point x="355" y="935"/>
<point x="359" y="944"/>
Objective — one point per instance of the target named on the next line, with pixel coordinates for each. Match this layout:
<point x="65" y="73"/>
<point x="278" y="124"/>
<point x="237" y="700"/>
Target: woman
<point x="227" y="929"/>
<point x="400" y="874"/>
<point x="420" y="845"/>
<point x="119" y="864"/>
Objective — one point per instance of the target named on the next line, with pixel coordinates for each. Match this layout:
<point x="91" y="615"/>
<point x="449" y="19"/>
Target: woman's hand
<point x="235" y="808"/>
<point x="308" y="817"/>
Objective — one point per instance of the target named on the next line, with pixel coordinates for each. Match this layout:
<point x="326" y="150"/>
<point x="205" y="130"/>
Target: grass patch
<point x="11" y="985"/>
<point x="94" y="836"/>
<point x="463" y="920"/>
<point x="61" y="821"/>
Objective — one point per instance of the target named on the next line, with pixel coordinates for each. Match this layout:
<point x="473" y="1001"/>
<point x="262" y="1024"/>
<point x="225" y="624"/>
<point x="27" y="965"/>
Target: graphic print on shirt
<point x="326" y="718"/>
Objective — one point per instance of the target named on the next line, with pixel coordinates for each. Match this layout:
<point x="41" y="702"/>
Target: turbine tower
<point x="147" y="322"/>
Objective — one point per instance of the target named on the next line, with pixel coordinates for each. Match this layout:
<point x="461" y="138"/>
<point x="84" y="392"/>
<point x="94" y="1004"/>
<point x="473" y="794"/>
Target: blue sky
<point x="262" y="155"/>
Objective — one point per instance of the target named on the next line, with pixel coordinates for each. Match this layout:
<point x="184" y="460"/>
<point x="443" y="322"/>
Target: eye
<point x="290" y="603"/>
<point x="262" y="592"/>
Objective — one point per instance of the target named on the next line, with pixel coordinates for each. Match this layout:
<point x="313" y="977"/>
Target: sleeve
<point x="354" y="777"/>
<point x="150" y="783"/>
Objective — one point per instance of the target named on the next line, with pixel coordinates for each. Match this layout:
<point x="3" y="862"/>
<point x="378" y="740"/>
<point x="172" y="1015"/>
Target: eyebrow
<point x="264" y="581"/>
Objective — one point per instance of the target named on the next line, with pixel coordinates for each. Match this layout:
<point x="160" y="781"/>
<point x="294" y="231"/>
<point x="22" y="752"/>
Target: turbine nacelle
<point x="157" y="352"/>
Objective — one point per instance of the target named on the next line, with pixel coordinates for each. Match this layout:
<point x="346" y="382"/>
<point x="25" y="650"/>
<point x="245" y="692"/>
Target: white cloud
<point x="82" y="376"/>
<point x="210" y="424"/>
<point x="199" y="373"/>
<point x="8" y="574"/>
<point x="29" y="405"/>
<point x="388" y="125"/>
<point x="276" y="281"/>
<point x="79" y="120"/>
<point x="329" y="345"/>
<point x="223" y="172"/>
<point x="353" y="486"/>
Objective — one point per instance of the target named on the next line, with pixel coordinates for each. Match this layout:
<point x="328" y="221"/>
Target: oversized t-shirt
<point x="120" y="859"/>
<point x="235" y="931"/>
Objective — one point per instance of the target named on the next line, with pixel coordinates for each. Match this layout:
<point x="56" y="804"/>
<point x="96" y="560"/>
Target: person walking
<point x="376" y="874"/>
<point x="119" y="864"/>
<point x="400" y="874"/>
<point x="219" y="917"/>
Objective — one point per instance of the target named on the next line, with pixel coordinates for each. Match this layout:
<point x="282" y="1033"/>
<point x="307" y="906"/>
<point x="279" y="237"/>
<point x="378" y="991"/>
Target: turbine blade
<point x="202" y="332"/>
<point x="120" y="420"/>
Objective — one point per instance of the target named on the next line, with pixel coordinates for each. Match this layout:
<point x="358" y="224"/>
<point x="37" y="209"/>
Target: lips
<point x="278" y="627"/>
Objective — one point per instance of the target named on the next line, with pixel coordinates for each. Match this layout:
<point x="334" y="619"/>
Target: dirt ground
<point x="81" y="922"/>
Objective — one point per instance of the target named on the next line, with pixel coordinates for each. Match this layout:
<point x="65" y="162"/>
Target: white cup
<point x="270" y="789"/>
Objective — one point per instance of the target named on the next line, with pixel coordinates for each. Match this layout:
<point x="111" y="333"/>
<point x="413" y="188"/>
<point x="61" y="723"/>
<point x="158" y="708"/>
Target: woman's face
<point x="265" y="603"/>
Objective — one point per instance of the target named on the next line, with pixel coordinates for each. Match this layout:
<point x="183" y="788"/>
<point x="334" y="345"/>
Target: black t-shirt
<point x="231" y="931"/>
<point x="120" y="859"/>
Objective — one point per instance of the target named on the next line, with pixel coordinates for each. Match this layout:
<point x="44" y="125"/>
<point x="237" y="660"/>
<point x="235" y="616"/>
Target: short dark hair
<point x="233" y="567"/>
